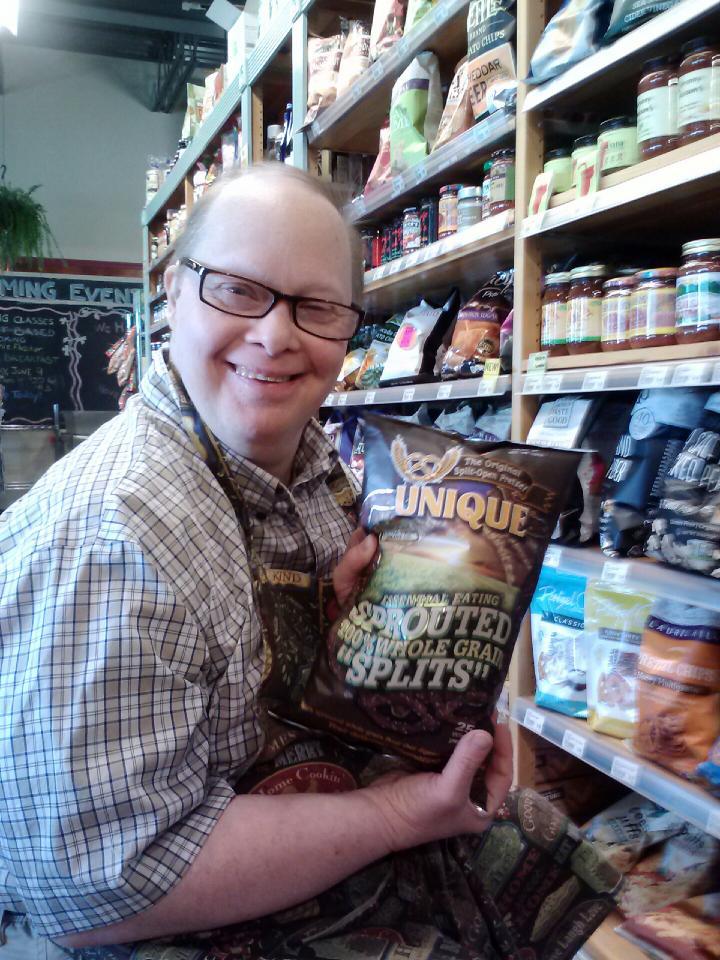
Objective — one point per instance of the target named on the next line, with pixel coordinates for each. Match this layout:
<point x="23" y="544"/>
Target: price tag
<point x="537" y="362"/>
<point x="398" y="186"/>
<point x="358" y="208"/>
<point x="491" y="370"/>
<point x="439" y="14"/>
<point x="370" y="396"/>
<point x="444" y="391"/>
<point x="574" y="743"/>
<point x="408" y="394"/>
<point x="376" y="71"/>
<point x="689" y="375"/>
<point x="595" y="380"/>
<point x="615" y="571"/>
<point x="552" y="557"/>
<point x="534" y="721"/>
<point x="625" y="771"/>
<point x="329" y="400"/>
<point x="418" y="173"/>
<point x="652" y="376"/>
<point x="342" y="400"/>
<point x="533" y="383"/>
<point x="485" y="388"/>
<point x="716" y="374"/>
<point x="532" y="225"/>
<point x="552" y="383"/>
<point x="713" y="823"/>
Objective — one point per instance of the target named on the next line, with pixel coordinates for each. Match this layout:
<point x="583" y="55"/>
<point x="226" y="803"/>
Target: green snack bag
<point x="415" y="111"/>
<point x="416" y="11"/>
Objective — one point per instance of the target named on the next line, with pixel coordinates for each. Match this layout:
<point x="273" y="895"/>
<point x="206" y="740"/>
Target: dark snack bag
<point x="420" y="655"/>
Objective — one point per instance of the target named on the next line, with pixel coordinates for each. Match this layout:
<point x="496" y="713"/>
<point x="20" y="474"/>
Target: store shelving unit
<point x="601" y="374"/>
<point x="422" y="392"/>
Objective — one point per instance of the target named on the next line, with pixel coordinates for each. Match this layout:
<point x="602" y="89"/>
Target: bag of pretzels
<point x="421" y="651"/>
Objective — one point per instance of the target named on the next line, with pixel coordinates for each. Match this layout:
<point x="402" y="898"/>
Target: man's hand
<point x="421" y="807"/>
<point x="358" y="556"/>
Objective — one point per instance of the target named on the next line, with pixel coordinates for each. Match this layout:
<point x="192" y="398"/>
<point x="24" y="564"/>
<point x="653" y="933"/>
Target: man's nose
<point x="276" y="331"/>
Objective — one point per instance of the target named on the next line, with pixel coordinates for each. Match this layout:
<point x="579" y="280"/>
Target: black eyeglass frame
<point x="277" y="296"/>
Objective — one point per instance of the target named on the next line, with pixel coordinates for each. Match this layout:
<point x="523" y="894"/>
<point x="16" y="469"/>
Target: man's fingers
<point x="467" y="758"/>
<point x="356" y="537"/>
<point x="498" y="776"/>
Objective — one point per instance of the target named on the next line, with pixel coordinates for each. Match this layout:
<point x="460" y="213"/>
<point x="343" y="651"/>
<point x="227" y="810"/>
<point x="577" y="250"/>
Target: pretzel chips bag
<point x="420" y="655"/>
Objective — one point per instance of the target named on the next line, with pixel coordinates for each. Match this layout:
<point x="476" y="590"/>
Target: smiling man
<point x="131" y="624"/>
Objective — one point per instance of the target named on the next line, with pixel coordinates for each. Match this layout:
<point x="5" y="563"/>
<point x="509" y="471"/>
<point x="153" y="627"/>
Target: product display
<point x="324" y="56"/>
<point x="415" y="112"/>
<point x="657" y="126"/>
<point x="457" y="114"/>
<point x="387" y="25"/>
<point x="491" y="56"/>
<point x="476" y="335"/>
<point x="412" y="353"/>
<point x="570" y="36"/>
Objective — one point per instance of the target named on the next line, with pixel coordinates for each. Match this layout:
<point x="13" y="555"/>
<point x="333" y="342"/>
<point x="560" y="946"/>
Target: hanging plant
<point x="24" y="229"/>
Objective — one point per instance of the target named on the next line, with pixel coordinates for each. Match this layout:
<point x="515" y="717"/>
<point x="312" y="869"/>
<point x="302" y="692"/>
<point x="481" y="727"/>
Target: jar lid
<point x="659" y="273"/>
<point x="619" y="283"/>
<point x="563" y="277"/>
<point x="558" y="154"/>
<point x="503" y="155"/>
<point x="410" y="210"/>
<point x="468" y="193"/>
<point x="658" y="63"/>
<point x="588" y="141"/>
<point x="617" y="123"/>
<point x="451" y="188"/>
<point x="701" y="246"/>
<point x="486" y="166"/>
<point x="699" y="43"/>
<point x="591" y="270"/>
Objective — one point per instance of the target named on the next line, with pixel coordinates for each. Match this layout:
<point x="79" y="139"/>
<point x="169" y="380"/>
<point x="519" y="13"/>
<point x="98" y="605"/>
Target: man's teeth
<point x="254" y="375"/>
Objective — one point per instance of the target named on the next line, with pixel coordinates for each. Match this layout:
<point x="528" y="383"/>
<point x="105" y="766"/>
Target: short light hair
<point x="333" y="194"/>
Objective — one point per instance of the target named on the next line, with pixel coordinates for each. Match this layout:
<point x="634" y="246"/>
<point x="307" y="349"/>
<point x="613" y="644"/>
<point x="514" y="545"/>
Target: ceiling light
<point x="9" y="15"/>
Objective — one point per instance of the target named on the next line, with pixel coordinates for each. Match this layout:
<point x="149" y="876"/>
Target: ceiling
<point x="174" y="34"/>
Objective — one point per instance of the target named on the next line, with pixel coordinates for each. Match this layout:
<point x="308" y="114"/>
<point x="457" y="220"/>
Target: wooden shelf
<point x="159" y="263"/>
<point x="157" y="298"/>
<point x="464" y="257"/>
<point x="613" y="66"/>
<point x="422" y="392"/>
<point x="162" y="326"/>
<point x="677" y="352"/>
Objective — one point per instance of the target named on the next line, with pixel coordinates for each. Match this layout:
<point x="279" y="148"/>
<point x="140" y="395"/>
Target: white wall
<point x="81" y="126"/>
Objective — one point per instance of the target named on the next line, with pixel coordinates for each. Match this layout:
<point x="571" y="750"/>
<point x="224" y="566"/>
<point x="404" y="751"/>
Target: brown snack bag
<point x="381" y="172"/>
<point x="387" y="25"/>
<point x="457" y="116"/>
<point x="324" y="55"/>
<point x="689" y="930"/>
<point x="678" y="686"/>
<point x="421" y="651"/>
<point x="476" y="334"/>
<point x="355" y="56"/>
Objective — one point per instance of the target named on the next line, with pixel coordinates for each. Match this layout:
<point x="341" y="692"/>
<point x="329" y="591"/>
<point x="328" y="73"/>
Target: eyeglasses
<point x="248" y="298"/>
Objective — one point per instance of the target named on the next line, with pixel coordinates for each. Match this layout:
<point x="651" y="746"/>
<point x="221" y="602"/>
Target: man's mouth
<point x="247" y="374"/>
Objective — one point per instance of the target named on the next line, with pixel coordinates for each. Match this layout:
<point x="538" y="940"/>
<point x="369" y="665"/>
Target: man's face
<point x="282" y="235"/>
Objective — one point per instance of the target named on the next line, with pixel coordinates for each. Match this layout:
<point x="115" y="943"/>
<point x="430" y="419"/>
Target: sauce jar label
<point x="585" y="324"/>
<point x="554" y="324"/>
<point x="698" y="300"/>
<point x="694" y="97"/>
<point x="655" y="111"/>
<point x="656" y="312"/>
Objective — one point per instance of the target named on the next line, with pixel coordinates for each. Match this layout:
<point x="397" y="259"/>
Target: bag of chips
<point x="412" y="354"/>
<point x="476" y="334"/>
<point x="422" y="650"/>
<point x="628" y="14"/>
<point x="630" y="827"/>
<point x="457" y="116"/>
<point x="371" y="368"/>
<point x="570" y="36"/>
<point x="491" y="57"/>
<point x="381" y="172"/>
<point x="324" y="55"/>
<point x="684" y="931"/>
<point x="494" y="423"/>
<point x="416" y="11"/>
<point x="460" y="421"/>
<point x="355" y="56"/>
<point x="557" y="622"/>
<point x="709" y="770"/>
<point x="387" y="25"/>
<point x="678" y="686"/>
<point x="415" y="111"/>
<point x="614" y="621"/>
<point x="655" y="883"/>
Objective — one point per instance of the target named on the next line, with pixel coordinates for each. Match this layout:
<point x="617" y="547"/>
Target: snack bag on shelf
<point x="324" y="55"/>
<point x="686" y="528"/>
<point x="355" y="56"/>
<point x="457" y="115"/>
<point x="416" y="11"/>
<point x="491" y="57"/>
<point x="562" y="423"/>
<point x="557" y="621"/>
<point x="660" y="423"/>
<point x="373" y="362"/>
<point x="709" y="770"/>
<point x="193" y="111"/>
<point x="685" y="931"/>
<point x="506" y="342"/>
<point x="461" y="421"/>
<point x="422" y="649"/>
<point x="387" y="25"/>
<point x="357" y="348"/>
<point x="678" y="686"/>
<point x="357" y="456"/>
<point x="570" y="36"/>
<point x="494" y="423"/>
<point x="580" y="798"/>
<point x="614" y="621"/>
<point x="628" y="14"/>
<point x="631" y="827"/>
<point x="381" y="172"/>
<point x="412" y="353"/>
<point x="415" y="111"/>
<point x="476" y="334"/>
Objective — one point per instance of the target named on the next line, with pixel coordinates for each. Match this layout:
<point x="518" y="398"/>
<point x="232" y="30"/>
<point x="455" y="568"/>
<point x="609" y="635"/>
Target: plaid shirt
<point x="131" y="657"/>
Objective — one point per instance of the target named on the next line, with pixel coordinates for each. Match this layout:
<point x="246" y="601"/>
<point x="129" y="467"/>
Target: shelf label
<point x="574" y="743"/>
<point x="552" y="382"/>
<point x="716" y="373"/>
<point x="652" y="376"/>
<point x="486" y="387"/>
<point x="408" y="394"/>
<point x="342" y="400"/>
<point x="370" y="396"/>
<point x="398" y="186"/>
<point x="418" y="173"/>
<point x="595" y="380"/>
<point x="537" y="361"/>
<point x="533" y="721"/>
<point x="552" y="557"/>
<point x="329" y="400"/>
<point x="491" y="370"/>
<point x="359" y="207"/>
<point x="444" y="391"/>
<point x="625" y="771"/>
<point x="689" y="375"/>
<point x="533" y="383"/>
<point x="615" y="571"/>
<point x="713" y="823"/>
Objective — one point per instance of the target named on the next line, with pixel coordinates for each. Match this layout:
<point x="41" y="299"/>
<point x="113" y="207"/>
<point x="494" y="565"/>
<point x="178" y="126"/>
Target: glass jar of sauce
<point x="696" y="117"/>
<point x="585" y="308"/>
<point x="470" y="207"/>
<point x="654" y="318"/>
<point x="486" y="189"/>
<point x="559" y="163"/>
<point x="553" y="329"/>
<point x="502" y="182"/>
<point x="697" y="309"/>
<point x="447" y="210"/>
<point x="657" y="129"/>
<point x="584" y="149"/>
<point x="618" y="307"/>
<point x="410" y="230"/>
<point x="617" y="144"/>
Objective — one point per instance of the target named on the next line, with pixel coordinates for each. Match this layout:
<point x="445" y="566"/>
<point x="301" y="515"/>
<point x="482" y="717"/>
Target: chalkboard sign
<point x="54" y="332"/>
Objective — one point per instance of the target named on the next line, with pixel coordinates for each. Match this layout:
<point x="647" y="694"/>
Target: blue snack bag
<point x="557" y="620"/>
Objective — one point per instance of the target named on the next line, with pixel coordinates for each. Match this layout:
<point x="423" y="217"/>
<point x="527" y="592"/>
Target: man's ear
<point x="172" y="282"/>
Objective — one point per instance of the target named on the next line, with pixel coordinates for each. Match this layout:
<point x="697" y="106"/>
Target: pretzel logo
<point x="422" y="468"/>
